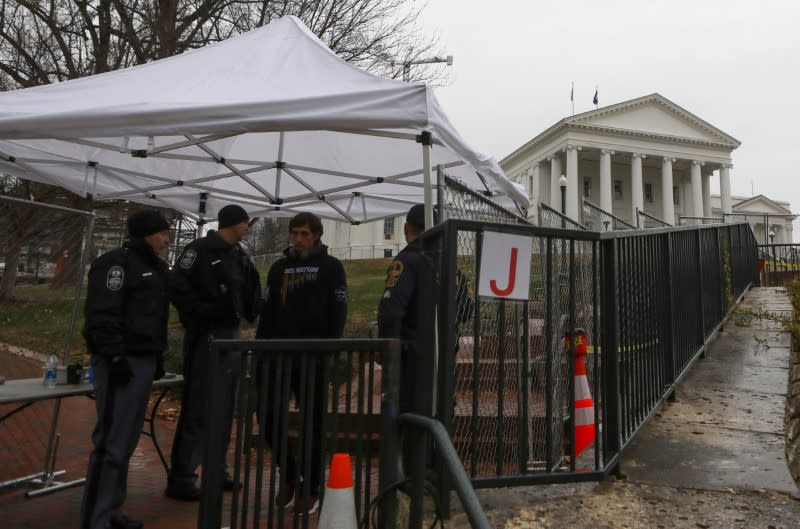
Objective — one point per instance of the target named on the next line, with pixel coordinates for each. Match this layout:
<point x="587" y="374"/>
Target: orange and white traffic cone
<point x="584" y="407"/>
<point x="339" y="505"/>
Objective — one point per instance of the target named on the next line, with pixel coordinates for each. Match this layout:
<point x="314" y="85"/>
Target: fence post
<point x="447" y="313"/>
<point x="668" y="331"/>
<point x="700" y="303"/>
<point x="610" y="349"/>
<point x="390" y="441"/>
<point x="210" y="511"/>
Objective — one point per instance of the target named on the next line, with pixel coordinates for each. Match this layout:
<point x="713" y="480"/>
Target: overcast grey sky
<point x="733" y="63"/>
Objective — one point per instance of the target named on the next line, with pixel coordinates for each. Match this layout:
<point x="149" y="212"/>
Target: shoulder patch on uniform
<point x="188" y="259"/>
<point x="393" y="274"/>
<point x="115" y="278"/>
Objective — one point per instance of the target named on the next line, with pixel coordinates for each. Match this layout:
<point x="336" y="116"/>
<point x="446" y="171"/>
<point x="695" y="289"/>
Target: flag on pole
<point x="595" y="100"/>
<point x="572" y="97"/>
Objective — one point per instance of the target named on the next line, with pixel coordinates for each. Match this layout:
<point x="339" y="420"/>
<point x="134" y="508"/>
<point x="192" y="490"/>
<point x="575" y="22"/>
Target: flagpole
<point x="572" y="97"/>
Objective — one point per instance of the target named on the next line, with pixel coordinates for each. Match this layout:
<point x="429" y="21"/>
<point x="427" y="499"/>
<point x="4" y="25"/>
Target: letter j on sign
<point x="505" y="266"/>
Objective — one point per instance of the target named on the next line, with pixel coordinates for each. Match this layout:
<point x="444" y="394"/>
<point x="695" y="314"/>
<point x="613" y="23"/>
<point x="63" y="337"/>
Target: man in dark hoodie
<point x="126" y="316"/>
<point x="305" y="297"/>
<point x="214" y="285"/>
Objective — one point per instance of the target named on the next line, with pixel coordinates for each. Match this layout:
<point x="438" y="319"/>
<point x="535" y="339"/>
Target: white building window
<point x="388" y="229"/>
<point x="618" y="189"/>
<point x="648" y="193"/>
<point x="676" y="196"/>
<point x="587" y="187"/>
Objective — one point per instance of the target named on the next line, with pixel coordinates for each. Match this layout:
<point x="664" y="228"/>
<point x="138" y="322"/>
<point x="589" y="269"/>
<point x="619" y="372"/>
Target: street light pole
<point x="433" y="60"/>
<point x="562" y="182"/>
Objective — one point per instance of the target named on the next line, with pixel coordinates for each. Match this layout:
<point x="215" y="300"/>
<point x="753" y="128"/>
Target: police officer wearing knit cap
<point x="214" y="286"/>
<point x="397" y="310"/>
<point x="126" y="316"/>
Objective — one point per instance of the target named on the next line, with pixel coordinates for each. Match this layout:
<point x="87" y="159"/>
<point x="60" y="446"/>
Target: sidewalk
<point x="713" y="458"/>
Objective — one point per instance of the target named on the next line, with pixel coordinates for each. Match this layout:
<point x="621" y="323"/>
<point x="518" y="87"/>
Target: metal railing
<point x="779" y="264"/>
<point x="551" y="218"/>
<point x="597" y="219"/>
<point x="300" y="400"/>
<point x="649" y="302"/>
<point x="646" y="220"/>
<point x="688" y="220"/>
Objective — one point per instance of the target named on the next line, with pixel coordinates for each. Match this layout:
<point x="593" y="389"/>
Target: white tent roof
<point x="271" y="117"/>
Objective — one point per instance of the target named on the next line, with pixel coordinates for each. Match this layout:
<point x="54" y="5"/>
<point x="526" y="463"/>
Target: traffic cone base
<point x="339" y="505"/>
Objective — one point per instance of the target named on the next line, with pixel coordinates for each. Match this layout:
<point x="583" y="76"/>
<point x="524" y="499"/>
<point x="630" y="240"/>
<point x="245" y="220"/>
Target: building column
<point x="707" y="195"/>
<point x="667" y="200"/>
<point x="573" y="189"/>
<point x="606" y="203"/>
<point x="697" y="190"/>
<point x="555" y="174"/>
<point x="725" y="189"/>
<point x="637" y="198"/>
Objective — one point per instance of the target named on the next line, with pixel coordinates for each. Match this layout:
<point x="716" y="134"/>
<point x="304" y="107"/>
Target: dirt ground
<point x="620" y="504"/>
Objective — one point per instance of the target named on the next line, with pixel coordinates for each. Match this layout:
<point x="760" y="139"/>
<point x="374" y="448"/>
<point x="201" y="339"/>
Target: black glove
<point x="119" y="370"/>
<point x="159" y="373"/>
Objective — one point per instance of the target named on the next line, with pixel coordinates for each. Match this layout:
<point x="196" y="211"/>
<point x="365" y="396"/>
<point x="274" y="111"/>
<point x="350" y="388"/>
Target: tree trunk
<point x="8" y="283"/>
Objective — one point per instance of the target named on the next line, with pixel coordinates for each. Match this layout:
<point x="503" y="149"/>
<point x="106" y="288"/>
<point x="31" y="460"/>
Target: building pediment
<point x="760" y="204"/>
<point x="653" y="116"/>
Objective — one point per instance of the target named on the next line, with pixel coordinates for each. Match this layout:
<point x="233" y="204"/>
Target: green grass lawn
<point x="39" y="318"/>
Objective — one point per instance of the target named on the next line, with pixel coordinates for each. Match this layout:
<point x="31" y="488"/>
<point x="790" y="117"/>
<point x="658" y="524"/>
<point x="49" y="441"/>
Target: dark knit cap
<point x="146" y="222"/>
<point x="416" y="216"/>
<point x="231" y="215"/>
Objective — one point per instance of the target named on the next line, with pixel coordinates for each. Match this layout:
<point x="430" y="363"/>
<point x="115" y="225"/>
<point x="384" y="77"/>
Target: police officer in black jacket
<point x="125" y="328"/>
<point x="214" y="285"/>
<point x="397" y="311"/>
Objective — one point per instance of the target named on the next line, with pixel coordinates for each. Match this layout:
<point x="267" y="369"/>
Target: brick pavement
<point x="23" y="442"/>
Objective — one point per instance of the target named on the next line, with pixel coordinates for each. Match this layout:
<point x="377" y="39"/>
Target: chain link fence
<point x="596" y="219"/>
<point x="550" y="218"/>
<point x="646" y="220"/>
<point x="43" y="255"/>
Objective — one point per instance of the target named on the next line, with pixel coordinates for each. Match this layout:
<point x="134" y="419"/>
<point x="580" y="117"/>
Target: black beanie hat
<point x="232" y="215"/>
<point x="146" y="222"/>
<point x="416" y="216"/>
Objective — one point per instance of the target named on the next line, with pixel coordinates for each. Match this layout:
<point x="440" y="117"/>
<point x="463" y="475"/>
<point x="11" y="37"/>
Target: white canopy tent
<point x="272" y="120"/>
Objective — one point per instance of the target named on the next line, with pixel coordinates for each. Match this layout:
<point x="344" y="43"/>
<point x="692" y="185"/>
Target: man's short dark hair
<point x="306" y="219"/>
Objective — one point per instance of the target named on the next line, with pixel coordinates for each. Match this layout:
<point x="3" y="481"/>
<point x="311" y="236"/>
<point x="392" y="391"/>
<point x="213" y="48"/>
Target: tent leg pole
<point x="426" y="168"/>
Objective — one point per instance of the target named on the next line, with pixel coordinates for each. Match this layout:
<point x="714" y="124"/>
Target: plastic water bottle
<point x="50" y="372"/>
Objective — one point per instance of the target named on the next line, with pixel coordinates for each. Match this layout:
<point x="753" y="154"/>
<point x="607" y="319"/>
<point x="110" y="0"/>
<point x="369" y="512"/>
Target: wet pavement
<point x="713" y="458"/>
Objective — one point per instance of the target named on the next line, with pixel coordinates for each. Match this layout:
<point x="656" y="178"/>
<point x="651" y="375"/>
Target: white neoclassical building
<point x="772" y="221"/>
<point x="647" y="154"/>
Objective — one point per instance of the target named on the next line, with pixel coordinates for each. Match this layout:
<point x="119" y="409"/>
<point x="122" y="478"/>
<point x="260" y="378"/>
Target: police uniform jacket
<point x="127" y="304"/>
<point x="397" y="310"/>
<point x="304" y="297"/>
<point x="214" y="284"/>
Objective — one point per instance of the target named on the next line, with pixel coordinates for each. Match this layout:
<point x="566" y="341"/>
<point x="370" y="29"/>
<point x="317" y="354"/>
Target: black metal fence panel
<point x="779" y="264"/>
<point x="298" y="402"/>
<point x="648" y="302"/>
